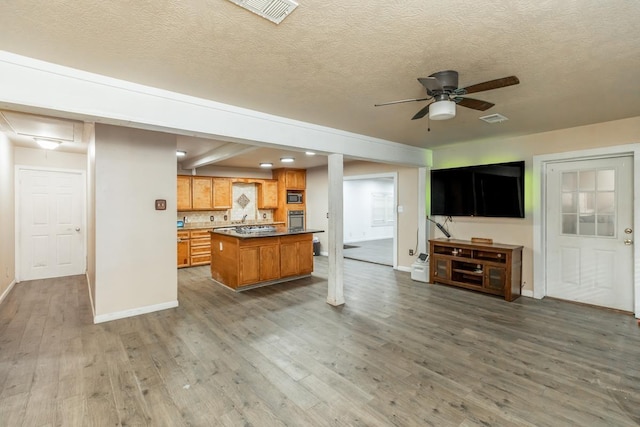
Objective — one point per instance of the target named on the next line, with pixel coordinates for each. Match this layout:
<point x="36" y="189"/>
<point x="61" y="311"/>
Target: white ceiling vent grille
<point x="494" y="118"/>
<point x="273" y="10"/>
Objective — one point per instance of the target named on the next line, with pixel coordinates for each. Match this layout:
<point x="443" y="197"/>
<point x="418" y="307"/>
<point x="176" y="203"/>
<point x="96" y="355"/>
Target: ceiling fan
<point x="442" y="87"/>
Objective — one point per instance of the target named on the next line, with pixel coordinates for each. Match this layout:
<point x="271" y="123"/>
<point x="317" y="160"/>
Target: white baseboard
<point x="6" y="292"/>
<point x="93" y="308"/>
<point x="403" y="268"/>
<point x="134" y="312"/>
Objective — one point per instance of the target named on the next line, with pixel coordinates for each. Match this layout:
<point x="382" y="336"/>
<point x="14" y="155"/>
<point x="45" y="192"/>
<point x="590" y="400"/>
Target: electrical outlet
<point x="410" y="252"/>
<point x="211" y="218"/>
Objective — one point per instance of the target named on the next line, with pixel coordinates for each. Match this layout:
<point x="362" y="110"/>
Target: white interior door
<point x="51" y="226"/>
<point x="589" y="218"/>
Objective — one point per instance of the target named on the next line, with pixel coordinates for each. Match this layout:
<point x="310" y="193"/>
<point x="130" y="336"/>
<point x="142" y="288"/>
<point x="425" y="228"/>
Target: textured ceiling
<point x="330" y="61"/>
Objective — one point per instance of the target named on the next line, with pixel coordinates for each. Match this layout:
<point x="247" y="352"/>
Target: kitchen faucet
<point x="244" y="218"/>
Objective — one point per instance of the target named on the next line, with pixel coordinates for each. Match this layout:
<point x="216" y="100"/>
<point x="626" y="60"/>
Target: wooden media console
<point x="486" y="267"/>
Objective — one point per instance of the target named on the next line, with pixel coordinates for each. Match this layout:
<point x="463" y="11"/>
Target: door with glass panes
<point x="589" y="231"/>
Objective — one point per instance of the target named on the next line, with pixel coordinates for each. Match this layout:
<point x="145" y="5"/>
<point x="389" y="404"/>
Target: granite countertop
<point x="277" y="231"/>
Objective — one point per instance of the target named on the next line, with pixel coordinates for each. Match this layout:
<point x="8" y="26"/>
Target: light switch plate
<point x="161" y="205"/>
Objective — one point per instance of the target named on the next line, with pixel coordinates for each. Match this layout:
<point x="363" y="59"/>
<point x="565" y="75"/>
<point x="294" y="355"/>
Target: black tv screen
<point x="495" y="190"/>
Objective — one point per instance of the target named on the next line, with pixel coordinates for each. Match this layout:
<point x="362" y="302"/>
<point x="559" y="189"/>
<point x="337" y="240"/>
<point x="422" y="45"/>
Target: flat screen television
<point x="495" y="190"/>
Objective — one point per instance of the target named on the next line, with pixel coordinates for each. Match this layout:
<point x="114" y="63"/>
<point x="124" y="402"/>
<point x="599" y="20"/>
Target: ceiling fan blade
<point x="420" y="114"/>
<point x="401" y="101"/>
<point x="431" y="83"/>
<point x="492" y="84"/>
<point x="475" y="104"/>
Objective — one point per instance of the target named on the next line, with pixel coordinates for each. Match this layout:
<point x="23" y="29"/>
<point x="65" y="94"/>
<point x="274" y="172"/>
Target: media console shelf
<point x="486" y="267"/>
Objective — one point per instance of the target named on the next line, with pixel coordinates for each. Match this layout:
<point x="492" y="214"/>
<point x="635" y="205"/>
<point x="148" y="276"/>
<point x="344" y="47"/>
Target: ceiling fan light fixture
<point x="442" y="110"/>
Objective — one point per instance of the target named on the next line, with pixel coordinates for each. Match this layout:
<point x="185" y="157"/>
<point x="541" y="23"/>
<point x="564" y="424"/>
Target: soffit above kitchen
<point x="330" y="61"/>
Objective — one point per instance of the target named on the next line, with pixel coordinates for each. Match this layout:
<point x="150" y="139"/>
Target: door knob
<point x="628" y="230"/>
<point x="628" y="242"/>
<point x="77" y="228"/>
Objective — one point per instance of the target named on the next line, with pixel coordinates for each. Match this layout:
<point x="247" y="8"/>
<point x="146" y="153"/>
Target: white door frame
<point x="393" y="175"/>
<point x="539" y="200"/>
<point x="18" y="223"/>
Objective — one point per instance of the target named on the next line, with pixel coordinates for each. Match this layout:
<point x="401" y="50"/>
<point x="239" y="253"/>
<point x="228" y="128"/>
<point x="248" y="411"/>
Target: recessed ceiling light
<point x="266" y="165"/>
<point x="309" y="153"/>
<point x="47" y="144"/>
<point x="287" y="159"/>
<point x="181" y="153"/>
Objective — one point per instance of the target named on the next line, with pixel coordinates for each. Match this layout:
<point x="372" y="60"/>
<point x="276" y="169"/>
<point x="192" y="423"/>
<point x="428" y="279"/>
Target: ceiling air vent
<point x="494" y="118"/>
<point x="273" y="10"/>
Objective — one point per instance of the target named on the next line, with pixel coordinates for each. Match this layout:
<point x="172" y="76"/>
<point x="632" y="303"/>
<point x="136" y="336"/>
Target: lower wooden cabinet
<point x="194" y="248"/>
<point x="269" y="262"/>
<point x="259" y="261"/>
<point x="243" y="262"/>
<point x="200" y="243"/>
<point x="249" y="262"/>
<point x="183" y="249"/>
<point x="296" y="256"/>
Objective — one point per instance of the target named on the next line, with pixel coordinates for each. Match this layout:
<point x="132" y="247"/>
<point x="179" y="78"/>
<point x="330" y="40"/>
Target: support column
<point x="423" y="230"/>
<point x="335" y="290"/>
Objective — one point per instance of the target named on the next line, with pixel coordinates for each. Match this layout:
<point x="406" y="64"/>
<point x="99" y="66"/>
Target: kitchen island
<point x="251" y="256"/>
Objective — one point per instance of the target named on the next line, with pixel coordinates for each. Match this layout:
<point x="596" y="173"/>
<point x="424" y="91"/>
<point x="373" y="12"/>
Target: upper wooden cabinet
<point x="184" y="192"/>
<point x="221" y="193"/>
<point x="295" y="179"/>
<point x="268" y="194"/>
<point x="202" y="194"/>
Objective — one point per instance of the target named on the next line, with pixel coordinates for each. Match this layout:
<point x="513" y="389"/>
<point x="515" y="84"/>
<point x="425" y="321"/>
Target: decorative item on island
<point x="248" y="257"/>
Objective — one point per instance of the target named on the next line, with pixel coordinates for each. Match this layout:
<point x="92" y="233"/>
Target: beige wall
<point x="318" y="205"/>
<point x="520" y="231"/>
<point x="135" y="245"/>
<point x="7" y="214"/>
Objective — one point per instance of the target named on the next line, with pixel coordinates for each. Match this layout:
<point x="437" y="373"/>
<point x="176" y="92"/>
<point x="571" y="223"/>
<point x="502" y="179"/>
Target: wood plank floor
<point x="399" y="353"/>
<point x="378" y="251"/>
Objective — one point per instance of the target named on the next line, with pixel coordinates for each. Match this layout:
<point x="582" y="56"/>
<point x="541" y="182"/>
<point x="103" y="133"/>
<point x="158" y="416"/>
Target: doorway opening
<point x="370" y="218"/>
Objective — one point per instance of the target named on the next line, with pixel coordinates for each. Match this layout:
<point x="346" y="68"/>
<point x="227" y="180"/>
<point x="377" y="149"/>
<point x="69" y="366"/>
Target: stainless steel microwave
<point x="294" y="197"/>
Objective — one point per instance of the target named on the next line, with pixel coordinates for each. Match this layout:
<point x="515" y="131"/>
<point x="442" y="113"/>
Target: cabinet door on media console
<point x="441" y="268"/>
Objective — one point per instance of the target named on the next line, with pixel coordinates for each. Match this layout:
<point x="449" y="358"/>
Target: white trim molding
<point x="6" y="291"/>
<point x="539" y="181"/>
<point x="93" y="307"/>
<point x="134" y="312"/>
